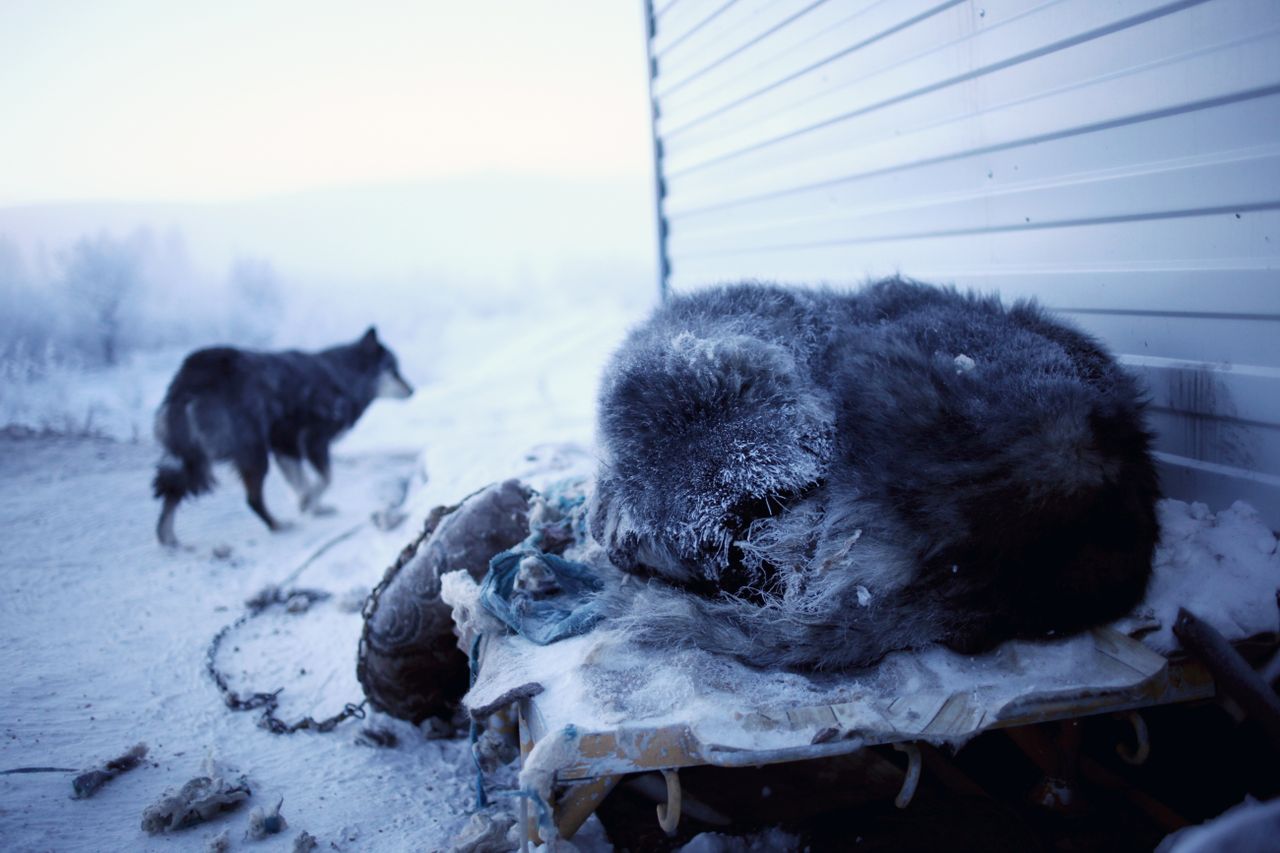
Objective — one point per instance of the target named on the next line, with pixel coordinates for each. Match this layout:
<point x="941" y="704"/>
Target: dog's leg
<point x="253" y="471"/>
<point x="291" y="468"/>
<point x="164" y="527"/>
<point x="317" y="449"/>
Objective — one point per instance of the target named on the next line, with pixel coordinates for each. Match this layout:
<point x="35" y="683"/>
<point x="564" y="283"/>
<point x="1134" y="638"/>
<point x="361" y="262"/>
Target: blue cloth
<point x="570" y="611"/>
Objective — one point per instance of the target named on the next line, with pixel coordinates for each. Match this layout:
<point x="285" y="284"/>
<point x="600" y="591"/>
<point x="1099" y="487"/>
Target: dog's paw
<point x="323" y="510"/>
<point x="283" y="527"/>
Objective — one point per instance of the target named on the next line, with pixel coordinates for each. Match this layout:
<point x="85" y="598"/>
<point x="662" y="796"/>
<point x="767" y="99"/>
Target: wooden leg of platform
<point x="528" y="816"/>
<point x="579" y="802"/>
<point x="1166" y="818"/>
<point x="571" y="808"/>
<point x="943" y="769"/>
<point x="1055" y="749"/>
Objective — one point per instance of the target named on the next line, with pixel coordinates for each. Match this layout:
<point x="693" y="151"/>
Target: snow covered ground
<point x="103" y="634"/>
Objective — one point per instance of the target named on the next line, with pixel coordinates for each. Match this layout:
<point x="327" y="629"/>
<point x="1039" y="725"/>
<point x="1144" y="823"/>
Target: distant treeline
<point x="95" y="301"/>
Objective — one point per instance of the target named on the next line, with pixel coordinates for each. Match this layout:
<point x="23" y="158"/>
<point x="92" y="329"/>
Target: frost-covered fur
<point x="816" y="478"/>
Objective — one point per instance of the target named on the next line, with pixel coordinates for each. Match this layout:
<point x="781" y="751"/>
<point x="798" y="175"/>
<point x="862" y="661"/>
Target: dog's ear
<point x="369" y="340"/>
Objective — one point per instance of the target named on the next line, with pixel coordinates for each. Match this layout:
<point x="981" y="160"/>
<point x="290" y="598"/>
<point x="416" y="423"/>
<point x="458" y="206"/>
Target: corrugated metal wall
<point x="1118" y="160"/>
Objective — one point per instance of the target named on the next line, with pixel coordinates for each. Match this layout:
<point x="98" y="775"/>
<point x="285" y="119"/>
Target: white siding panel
<point x="829" y="29"/>
<point x="675" y="20"/>
<point x="1087" y="51"/>
<point x="938" y="126"/>
<point x="1180" y="240"/>
<point x="1118" y="161"/>
<point x="737" y="27"/>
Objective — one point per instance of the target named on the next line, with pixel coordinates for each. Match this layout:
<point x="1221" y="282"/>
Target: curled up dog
<point x="242" y="406"/>
<point x="812" y="479"/>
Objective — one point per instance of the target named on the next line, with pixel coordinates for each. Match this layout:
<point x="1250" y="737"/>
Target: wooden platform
<point x="1119" y="674"/>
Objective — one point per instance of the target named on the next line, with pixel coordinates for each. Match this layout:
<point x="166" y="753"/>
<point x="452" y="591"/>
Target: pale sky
<point x="155" y="100"/>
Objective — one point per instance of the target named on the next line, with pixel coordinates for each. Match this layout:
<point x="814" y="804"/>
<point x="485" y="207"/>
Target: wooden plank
<point x="814" y="718"/>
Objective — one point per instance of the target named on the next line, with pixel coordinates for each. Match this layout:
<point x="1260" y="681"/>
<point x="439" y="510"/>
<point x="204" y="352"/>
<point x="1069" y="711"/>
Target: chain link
<point x="277" y="596"/>
<point x="269" y="702"/>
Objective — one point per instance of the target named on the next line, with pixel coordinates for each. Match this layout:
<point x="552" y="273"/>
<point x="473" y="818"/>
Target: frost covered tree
<point x="101" y="275"/>
<point x="256" y="300"/>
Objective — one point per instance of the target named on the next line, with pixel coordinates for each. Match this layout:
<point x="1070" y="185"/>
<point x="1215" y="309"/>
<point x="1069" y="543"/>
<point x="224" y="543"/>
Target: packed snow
<point x="1224" y="567"/>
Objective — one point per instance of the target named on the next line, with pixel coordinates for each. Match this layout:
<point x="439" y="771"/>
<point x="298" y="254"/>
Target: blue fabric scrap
<point x="572" y="610"/>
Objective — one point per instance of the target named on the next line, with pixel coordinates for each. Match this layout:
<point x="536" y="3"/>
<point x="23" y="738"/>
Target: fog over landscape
<point x="99" y="285"/>
<point x="285" y="177"/>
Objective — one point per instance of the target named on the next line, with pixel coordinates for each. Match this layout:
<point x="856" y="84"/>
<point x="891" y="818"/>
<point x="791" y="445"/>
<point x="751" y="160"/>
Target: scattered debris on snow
<point x="377" y="736"/>
<point x="220" y="843"/>
<point x="305" y="842"/>
<point x="494" y="750"/>
<point x="199" y="800"/>
<point x="352" y="601"/>
<point x="964" y="363"/>
<point x="388" y="519"/>
<point x="436" y="728"/>
<point x="88" y="783"/>
<point x="263" y="598"/>
<point x="263" y="823"/>
<point x="486" y="832"/>
<point x="298" y="603"/>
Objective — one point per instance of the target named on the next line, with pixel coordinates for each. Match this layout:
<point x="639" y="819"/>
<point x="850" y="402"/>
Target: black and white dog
<point x="242" y="406"/>
<point x="816" y="478"/>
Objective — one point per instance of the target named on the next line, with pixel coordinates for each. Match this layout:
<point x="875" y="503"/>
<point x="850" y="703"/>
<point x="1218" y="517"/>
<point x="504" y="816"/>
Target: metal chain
<point x="269" y="702"/>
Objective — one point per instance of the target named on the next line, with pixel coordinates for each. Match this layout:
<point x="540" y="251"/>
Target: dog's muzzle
<point x="391" y="384"/>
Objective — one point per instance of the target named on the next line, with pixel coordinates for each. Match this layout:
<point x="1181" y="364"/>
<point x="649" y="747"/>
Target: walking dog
<point x="228" y="404"/>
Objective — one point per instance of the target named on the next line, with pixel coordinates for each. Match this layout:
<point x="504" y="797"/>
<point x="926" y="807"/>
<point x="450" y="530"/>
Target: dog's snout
<point x="392" y="384"/>
<point x="405" y="387"/>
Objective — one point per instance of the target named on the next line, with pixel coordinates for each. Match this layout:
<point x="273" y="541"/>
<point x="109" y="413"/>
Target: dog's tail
<point x="184" y="470"/>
